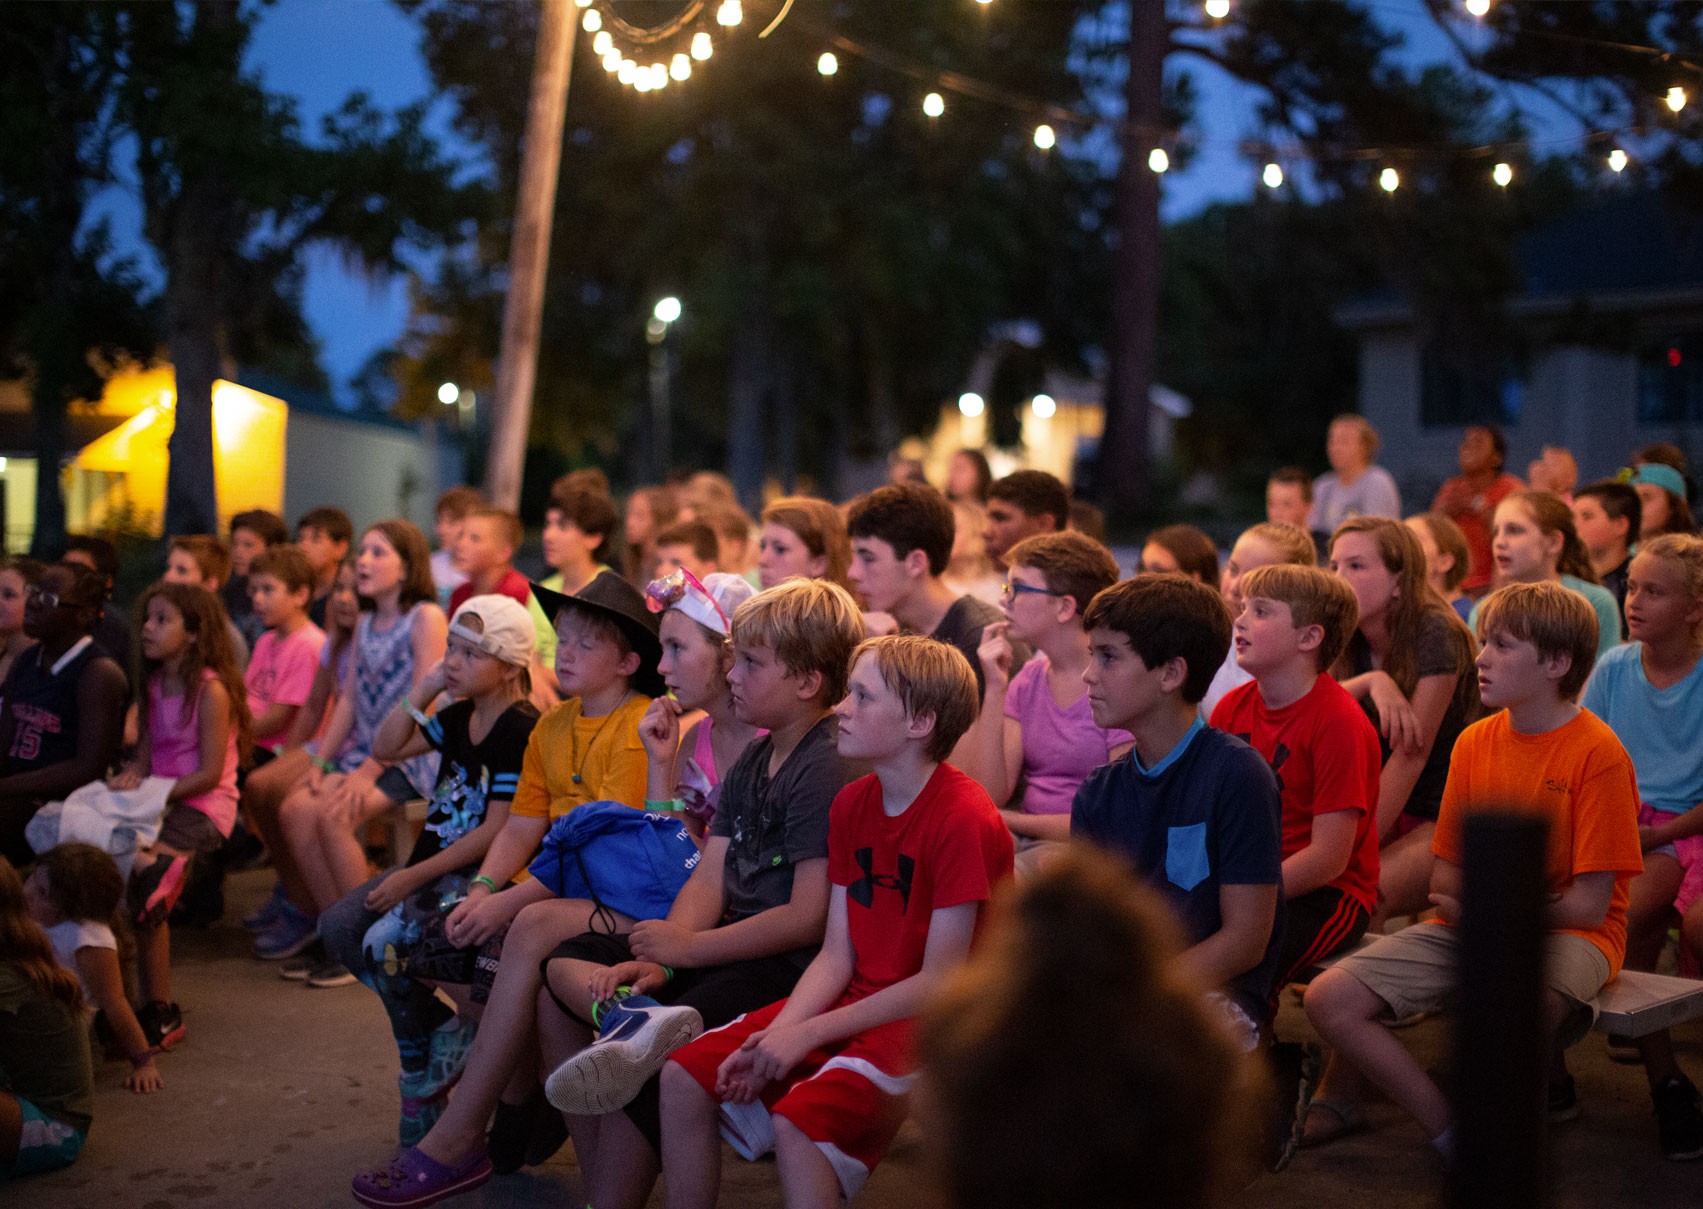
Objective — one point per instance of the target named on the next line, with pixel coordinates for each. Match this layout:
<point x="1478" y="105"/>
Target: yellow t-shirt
<point x="605" y="752"/>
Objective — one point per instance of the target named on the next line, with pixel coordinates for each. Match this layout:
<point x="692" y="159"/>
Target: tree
<point x="841" y="257"/>
<point x="234" y="192"/>
<point x="70" y="305"/>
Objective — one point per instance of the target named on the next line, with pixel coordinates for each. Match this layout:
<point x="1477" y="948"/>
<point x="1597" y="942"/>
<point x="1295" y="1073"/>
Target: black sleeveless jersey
<point x="38" y="710"/>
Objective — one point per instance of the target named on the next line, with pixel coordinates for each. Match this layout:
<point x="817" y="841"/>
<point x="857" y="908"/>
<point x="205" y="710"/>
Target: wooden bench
<point x="405" y="819"/>
<point x="1635" y="1004"/>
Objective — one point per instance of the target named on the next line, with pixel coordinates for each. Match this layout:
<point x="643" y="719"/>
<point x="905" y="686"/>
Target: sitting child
<point x="822" y="1076"/>
<point x="47" y="1083"/>
<point x="1036" y="728"/>
<point x="1539" y="753"/>
<point x="202" y="561"/>
<point x="1266" y="545"/>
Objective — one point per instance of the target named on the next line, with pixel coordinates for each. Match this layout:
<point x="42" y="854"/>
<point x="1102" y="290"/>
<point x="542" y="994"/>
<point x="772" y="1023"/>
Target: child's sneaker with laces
<point x="638" y="1036"/>
<point x="1679" y="1118"/>
<point x="154" y="890"/>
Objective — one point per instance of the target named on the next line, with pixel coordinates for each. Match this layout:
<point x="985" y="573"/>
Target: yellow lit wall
<point x="125" y="470"/>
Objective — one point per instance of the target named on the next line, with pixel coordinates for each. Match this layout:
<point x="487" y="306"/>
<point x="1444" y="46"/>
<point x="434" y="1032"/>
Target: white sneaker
<point x="608" y="1073"/>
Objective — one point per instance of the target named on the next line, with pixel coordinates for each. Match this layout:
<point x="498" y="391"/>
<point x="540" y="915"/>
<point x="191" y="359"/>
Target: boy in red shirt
<point x="1540" y="753"/>
<point x="1294" y="624"/>
<point x="914" y="850"/>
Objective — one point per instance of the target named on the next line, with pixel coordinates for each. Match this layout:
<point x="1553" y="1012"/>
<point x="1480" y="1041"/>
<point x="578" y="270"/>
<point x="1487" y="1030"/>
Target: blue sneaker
<point x="638" y="1036"/>
<point x="289" y="935"/>
<point x="269" y="910"/>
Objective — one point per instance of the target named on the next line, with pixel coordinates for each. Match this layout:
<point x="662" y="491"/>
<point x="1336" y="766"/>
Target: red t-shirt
<point x="1326" y="757"/>
<point x="948" y="847"/>
<point x="513" y="585"/>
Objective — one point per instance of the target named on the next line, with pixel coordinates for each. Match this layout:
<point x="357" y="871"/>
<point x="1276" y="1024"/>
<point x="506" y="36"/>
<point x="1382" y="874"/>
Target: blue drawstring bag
<point x="626" y="860"/>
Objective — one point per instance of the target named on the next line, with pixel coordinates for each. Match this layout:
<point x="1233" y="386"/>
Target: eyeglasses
<point x="663" y="594"/>
<point x="49" y="600"/>
<point x="1011" y="589"/>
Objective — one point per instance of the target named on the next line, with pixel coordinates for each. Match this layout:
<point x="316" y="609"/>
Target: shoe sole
<point x="1683" y="1156"/>
<point x="605" y="1078"/>
<point x="1560" y="1116"/>
<point x="326" y="983"/>
<point x="473" y="1179"/>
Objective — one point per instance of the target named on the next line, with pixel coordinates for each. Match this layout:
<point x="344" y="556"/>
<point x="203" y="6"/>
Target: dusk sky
<point x="321" y="50"/>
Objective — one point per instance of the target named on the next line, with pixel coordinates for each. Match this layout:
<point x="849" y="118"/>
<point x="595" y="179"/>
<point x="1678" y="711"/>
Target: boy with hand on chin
<point x="1542" y="754"/>
<point x="914" y="850"/>
<point x="1294" y="624"/>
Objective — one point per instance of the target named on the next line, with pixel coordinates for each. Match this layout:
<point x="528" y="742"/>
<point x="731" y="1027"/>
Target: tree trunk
<point x="194" y="293"/>
<point x="48" y="398"/>
<point x="1123" y="473"/>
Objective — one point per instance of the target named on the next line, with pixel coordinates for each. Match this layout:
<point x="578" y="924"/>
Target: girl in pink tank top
<point x="195" y="727"/>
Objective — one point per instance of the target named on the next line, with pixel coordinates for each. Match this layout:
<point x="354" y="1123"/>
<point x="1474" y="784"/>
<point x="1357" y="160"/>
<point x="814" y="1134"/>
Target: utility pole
<point x="529" y="252"/>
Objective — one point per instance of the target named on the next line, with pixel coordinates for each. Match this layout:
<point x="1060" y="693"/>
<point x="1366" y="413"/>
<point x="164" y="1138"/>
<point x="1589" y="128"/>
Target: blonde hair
<point x="1369" y="437"/>
<point x="1682" y="550"/>
<point x="1554" y="619"/>
<point x="811" y="625"/>
<point x="930" y="677"/>
<point x="1315" y="597"/>
<point x="820" y="526"/>
<point x="1294" y="543"/>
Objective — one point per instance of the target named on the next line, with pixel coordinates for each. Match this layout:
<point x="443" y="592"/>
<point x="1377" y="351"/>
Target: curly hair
<point x="210" y="649"/>
<point x="24" y="945"/>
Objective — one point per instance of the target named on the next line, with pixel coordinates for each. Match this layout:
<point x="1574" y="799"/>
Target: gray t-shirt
<point x="962" y="627"/>
<point x="772" y="823"/>
<point x="1372" y="494"/>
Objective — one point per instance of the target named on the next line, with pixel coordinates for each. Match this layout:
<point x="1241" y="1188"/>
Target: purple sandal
<point x="412" y="1180"/>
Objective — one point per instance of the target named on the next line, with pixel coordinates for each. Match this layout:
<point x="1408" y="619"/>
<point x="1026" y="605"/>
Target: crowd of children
<point x="713" y="810"/>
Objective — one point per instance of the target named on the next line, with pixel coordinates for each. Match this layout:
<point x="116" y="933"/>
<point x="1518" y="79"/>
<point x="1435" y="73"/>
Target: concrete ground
<point x="281" y="1093"/>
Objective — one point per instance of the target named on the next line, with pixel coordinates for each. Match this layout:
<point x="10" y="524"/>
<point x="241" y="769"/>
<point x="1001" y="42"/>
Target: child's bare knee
<point x="682" y="1095"/>
<point x="1335" y="998"/>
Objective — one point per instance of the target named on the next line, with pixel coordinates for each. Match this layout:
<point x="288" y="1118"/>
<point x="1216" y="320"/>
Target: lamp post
<point x="663" y="316"/>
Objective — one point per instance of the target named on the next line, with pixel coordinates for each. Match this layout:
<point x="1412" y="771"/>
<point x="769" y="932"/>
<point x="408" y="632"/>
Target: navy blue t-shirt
<point x="1205" y="816"/>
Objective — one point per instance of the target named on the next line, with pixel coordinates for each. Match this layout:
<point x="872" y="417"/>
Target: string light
<point x="934" y="105"/>
<point x="1676" y="98"/>
<point x="659" y="76"/>
<point x="1389" y="180"/>
<point x="641" y="80"/>
<point x="1617" y="160"/>
<point x="1045" y="137"/>
<point x="1478" y="8"/>
<point x="611" y="60"/>
<point x="1158" y="160"/>
<point x="627" y="71"/>
<point x="680" y="67"/>
<point x="1218" y="9"/>
<point x="701" y="47"/>
<point x="592" y="21"/>
<point x="583" y="3"/>
<point x="602" y="44"/>
<point x="1043" y="406"/>
<point x="828" y="64"/>
<point x="729" y="14"/>
<point x="970" y="404"/>
<point x="1273" y="175"/>
<point x="1502" y="174"/>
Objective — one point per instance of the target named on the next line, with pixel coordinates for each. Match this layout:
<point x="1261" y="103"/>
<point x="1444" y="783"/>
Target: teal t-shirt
<point x="1658" y="727"/>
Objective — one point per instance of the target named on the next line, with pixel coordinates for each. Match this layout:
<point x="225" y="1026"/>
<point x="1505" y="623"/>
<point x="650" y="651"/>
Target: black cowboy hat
<point x="612" y="598"/>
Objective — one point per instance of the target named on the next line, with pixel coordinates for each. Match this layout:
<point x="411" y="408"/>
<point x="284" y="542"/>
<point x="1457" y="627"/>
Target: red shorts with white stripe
<point x="849" y="1098"/>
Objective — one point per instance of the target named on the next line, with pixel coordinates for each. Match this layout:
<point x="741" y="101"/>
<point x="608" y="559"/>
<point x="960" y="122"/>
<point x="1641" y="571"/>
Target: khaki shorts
<point x="1414" y="971"/>
<point x="1032" y="854"/>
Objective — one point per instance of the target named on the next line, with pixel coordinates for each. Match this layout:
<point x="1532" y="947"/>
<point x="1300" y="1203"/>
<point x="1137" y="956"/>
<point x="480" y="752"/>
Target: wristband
<point x="668" y="973"/>
<point x="484" y="881"/>
<point x="668" y="805"/>
<point x="324" y="765"/>
<point x="138" y="1061"/>
<point x="416" y="713"/>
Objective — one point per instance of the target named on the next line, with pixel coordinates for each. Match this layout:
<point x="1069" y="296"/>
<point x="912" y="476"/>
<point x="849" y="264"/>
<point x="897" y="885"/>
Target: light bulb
<point x="1676" y="98"/>
<point x="828" y="64"/>
<point x="1502" y="174"/>
<point x="934" y="105"/>
<point x="448" y="393"/>
<point x="600" y="45"/>
<point x="626" y="71"/>
<point x="1158" y="160"/>
<point x="1043" y="407"/>
<point x="641" y="80"/>
<point x="1478" y="8"/>
<point x="1045" y="138"/>
<point x="592" y="21"/>
<point x="611" y="60"/>
<point x="658" y="76"/>
<point x="970" y="404"/>
<point x="1617" y="160"/>
<point x="701" y="48"/>
<point x="1273" y="175"/>
<point x="1389" y="180"/>
<point x="729" y="14"/>
<point x="680" y="67"/>
<point x="1218" y="9"/>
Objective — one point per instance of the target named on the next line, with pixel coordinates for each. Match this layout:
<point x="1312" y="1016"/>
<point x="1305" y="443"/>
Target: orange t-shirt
<point x="1577" y="776"/>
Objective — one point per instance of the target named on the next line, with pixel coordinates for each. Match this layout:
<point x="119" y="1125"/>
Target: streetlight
<point x="663" y="316"/>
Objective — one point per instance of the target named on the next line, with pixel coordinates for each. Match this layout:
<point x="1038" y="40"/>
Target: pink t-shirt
<point x="282" y="670"/>
<point x="1061" y="746"/>
<point x="175" y="745"/>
